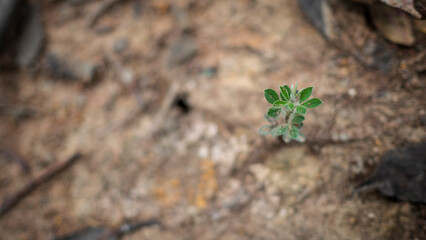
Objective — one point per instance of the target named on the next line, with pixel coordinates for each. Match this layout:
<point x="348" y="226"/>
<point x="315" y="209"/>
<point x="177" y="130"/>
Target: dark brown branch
<point x="47" y="174"/>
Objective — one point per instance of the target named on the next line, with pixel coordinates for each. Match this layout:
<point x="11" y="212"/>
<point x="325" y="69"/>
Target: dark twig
<point x="47" y="174"/>
<point x="127" y="228"/>
<point x="165" y="107"/>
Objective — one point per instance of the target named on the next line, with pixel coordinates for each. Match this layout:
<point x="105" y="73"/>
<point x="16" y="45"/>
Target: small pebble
<point x="209" y="72"/>
<point x="211" y="130"/>
<point x="182" y="51"/>
<point x="203" y="152"/>
<point x="352" y="92"/>
<point x="283" y="213"/>
<point x="120" y="45"/>
<point x="343" y="137"/>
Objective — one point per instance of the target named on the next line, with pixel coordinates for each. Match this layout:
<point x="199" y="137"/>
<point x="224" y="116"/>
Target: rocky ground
<point x="178" y="141"/>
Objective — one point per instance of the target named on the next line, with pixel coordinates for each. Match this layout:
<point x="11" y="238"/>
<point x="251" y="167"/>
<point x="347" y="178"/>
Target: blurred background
<point x="138" y="119"/>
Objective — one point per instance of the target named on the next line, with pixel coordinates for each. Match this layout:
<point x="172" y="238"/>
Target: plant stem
<point x="289" y="113"/>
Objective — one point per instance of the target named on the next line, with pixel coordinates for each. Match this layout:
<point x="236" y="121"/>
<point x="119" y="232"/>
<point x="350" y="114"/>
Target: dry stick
<point x="127" y="78"/>
<point x="159" y="119"/>
<point x="165" y="106"/>
<point x="47" y="174"/>
<point x="100" y="11"/>
<point x="127" y="228"/>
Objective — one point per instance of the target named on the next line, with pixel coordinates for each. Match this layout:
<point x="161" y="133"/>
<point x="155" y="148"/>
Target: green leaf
<point x="288" y="90"/>
<point x="264" y="130"/>
<point x="312" y="103"/>
<point x="300" y="110"/>
<point x="273" y="112"/>
<point x="279" y="103"/>
<point x="278" y="130"/>
<point x="290" y="105"/>
<point x="271" y="96"/>
<point x="284" y="94"/>
<point x="294" y="132"/>
<point x="298" y="119"/>
<point x="305" y="93"/>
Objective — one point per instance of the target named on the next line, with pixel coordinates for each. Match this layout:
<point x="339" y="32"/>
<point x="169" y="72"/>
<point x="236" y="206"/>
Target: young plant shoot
<point x="287" y="112"/>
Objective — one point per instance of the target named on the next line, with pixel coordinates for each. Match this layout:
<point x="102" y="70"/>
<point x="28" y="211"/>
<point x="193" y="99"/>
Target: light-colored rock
<point x="393" y="24"/>
<point x="260" y="171"/>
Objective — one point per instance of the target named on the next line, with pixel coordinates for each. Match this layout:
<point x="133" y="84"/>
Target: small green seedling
<point x="287" y="112"/>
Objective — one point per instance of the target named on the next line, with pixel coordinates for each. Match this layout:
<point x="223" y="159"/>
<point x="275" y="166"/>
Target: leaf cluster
<point x="287" y="112"/>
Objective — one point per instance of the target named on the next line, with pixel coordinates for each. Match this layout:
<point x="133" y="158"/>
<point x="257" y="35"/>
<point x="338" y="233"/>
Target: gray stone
<point x="393" y="24"/>
<point x="71" y="69"/>
<point x="8" y="9"/>
<point x="182" y="51"/>
<point x="343" y="23"/>
<point x="21" y="33"/>
<point x="314" y="11"/>
<point x="120" y="45"/>
<point x="31" y="41"/>
<point x="401" y="174"/>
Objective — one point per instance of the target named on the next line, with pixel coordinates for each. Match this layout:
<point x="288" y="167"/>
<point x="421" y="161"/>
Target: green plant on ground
<point x="287" y="112"/>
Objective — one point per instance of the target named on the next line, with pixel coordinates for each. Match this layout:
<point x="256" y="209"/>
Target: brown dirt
<point x="207" y="174"/>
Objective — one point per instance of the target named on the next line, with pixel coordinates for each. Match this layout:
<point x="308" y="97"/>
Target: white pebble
<point x="352" y="92"/>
